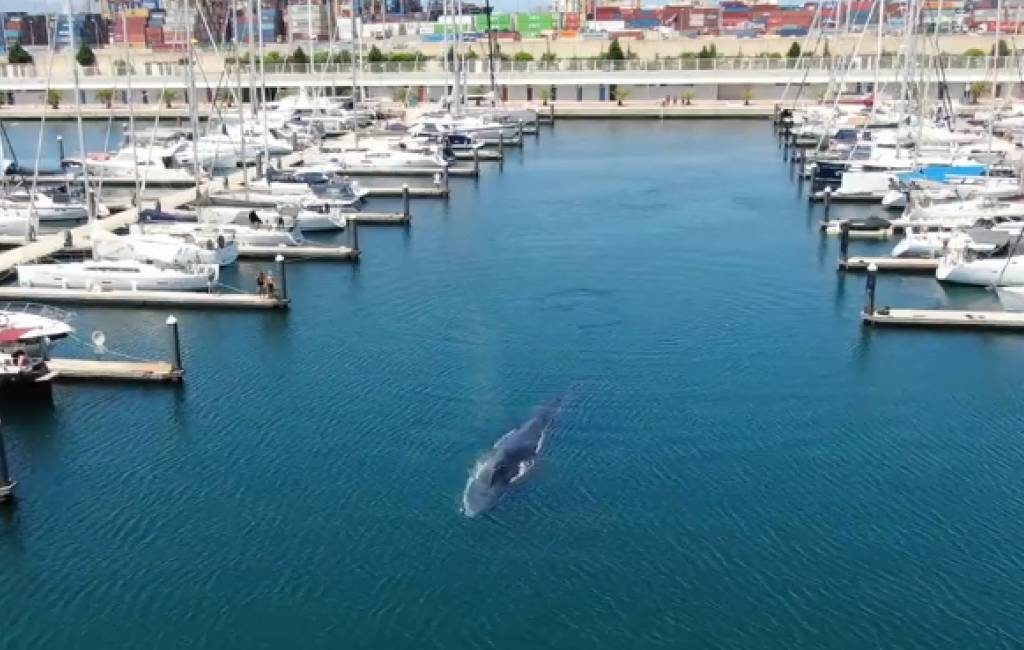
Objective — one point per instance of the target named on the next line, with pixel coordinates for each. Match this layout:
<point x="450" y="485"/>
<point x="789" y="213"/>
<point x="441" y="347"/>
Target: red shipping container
<point x="607" y="13"/>
<point x="636" y="34"/>
<point x="154" y="36"/>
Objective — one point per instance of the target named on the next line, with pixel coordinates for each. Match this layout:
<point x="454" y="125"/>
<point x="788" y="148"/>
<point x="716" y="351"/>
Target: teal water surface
<point x="741" y="465"/>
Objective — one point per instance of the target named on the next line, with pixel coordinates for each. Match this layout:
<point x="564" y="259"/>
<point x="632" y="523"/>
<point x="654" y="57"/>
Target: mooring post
<point x="283" y="274"/>
<point x="158" y="206"/>
<point x="6" y="482"/>
<point x="69" y="240"/>
<point x="60" y="148"/>
<point x="520" y="130"/>
<point x="172" y="323"/>
<point x="828" y="201"/>
<point x="551" y="108"/>
<point x="844" y="243"/>
<point x="225" y="182"/>
<point x="476" y="161"/>
<point x="90" y="198"/>
<point x="501" y="143"/>
<point x="405" y="201"/>
<point x="354" y="225"/>
<point x="775" y="117"/>
<point x="444" y="178"/>
<point x="869" y="290"/>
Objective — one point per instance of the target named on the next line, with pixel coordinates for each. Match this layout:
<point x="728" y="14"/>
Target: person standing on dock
<point x="261" y="282"/>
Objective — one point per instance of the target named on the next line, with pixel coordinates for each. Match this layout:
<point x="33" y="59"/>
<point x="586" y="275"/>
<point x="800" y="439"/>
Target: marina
<point x="474" y="366"/>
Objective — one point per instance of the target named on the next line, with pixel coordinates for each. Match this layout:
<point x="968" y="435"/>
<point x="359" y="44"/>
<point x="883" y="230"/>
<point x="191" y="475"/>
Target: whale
<point x="509" y="460"/>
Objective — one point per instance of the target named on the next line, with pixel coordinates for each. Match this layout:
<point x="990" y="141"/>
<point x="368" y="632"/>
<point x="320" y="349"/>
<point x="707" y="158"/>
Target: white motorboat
<point x="26" y="324"/>
<point x="106" y="275"/>
<point x="24" y="203"/>
<point x="164" y="250"/>
<point x="963" y="264"/>
<point x="283" y="218"/>
<point x="243" y="236"/>
<point x="152" y="166"/>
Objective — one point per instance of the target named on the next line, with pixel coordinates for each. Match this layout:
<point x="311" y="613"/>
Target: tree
<point x="688" y="96"/>
<point x="794" y="51"/>
<point x="53" y="98"/>
<point x="375" y="55"/>
<point x="1002" y="48"/>
<point x="105" y="96"/>
<point x="708" y="52"/>
<point x="545" y="95"/>
<point x="17" y="54"/>
<point x="400" y="95"/>
<point x="974" y="52"/>
<point x="273" y="58"/>
<point x="615" y="52"/>
<point x="977" y="89"/>
<point x="548" y="57"/>
<point x="472" y="55"/>
<point x="169" y="97"/>
<point x="748" y="95"/>
<point x="522" y="56"/>
<point x="298" y="56"/>
<point x="85" y="57"/>
<point x="621" y="95"/>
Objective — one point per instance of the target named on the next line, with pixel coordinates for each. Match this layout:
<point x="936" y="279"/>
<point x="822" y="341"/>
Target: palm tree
<point x="105" y="96"/>
<point x="53" y="98"/>
<point x="621" y="95"/>
<point x="545" y="95"/>
<point x="688" y="97"/>
<point x="977" y="89"/>
<point x="169" y="97"/>
<point x="748" y="95"/>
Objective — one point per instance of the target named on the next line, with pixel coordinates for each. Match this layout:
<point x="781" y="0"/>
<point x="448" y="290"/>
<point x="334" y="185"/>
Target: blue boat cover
<point x="939" y="173"/>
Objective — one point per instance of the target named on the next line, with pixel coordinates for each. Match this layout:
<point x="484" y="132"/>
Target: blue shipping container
<point x="643" y="23"/>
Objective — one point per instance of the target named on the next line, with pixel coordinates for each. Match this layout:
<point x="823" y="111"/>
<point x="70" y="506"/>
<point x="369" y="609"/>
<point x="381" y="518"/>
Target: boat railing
<point x="37" y="309"/>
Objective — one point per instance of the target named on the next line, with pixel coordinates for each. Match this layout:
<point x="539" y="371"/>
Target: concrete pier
<point x="339" y="253"/>
<point x="102" y="370"/>
<point x="891" y="264"/>
<point x="144" y="298"/>
<point x="946" y="318"/>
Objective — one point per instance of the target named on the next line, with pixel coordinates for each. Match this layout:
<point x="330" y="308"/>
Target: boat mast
<point x="90" y="201"/>
<point x="193" y="105"/>
<point x="355" y="57"/>
<point x="995" y="72"/>
<point x="490" y="52"/>
<point x="263" y="96"/>
<point x="255" y="13"/>
<point x="241" y="106"/>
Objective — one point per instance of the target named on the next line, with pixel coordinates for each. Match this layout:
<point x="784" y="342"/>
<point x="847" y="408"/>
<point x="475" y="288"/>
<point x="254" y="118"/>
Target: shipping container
<point x="643" y="23"/>
<point x="154" y="36"/>
<point x="792" y="31"/>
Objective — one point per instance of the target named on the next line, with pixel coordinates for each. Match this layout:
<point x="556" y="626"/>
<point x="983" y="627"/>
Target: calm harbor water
<point x="741" y="465"/>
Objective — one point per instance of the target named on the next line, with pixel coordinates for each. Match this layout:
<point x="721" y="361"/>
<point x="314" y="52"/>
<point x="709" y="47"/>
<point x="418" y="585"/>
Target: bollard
<point x="501" y="143"/>
<point x="828" y="200"/>
<point x="6" y="482"/>
<point x="69" y="240"/>
<point x="172" y="322"/>
<point x="476" y="161"/>
<point x="60" y="147"/>
<point x="444" y="178"/>
<point x="283" y="275"/>
<point x="354" y="225"/>
<point x="158" y="207"/>
<point x="844" y="243"/>
<point x="405" y="201"/>
<point x="519" y="130"/>
<point x="869" y="290"/>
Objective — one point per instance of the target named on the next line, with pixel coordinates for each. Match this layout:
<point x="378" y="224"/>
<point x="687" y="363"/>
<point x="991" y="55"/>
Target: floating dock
<point x="455" y="170"/>
<point x="483" y="155"/>
<point x="435" y="192"/>
<point x="946" y="318"/>
<point x="379" y="218"/>
<point x="125" y="298"/>
<point x="339" y="253"/>
<point x="101" y="370"/>
<point x="891" y="264"/>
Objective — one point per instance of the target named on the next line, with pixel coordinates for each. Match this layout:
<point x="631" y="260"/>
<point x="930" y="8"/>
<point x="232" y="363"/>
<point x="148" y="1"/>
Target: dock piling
<point x="551" y="111"/>
<point x="869" y="290"/>
<point x="520" y="131"/>
<point x="501" y="144"/>
<point x="405" y="201"/>
<point x="69" y="239"/>
<point x="844" y="243"/>
<point x="476" y="161"/>
<point x="6" y="482"/>
<point x="284" y="276"/>
<point x="60" y="147"/>
<point x="172" y="322"/>
<point x="444" y="181"/>
<point x="828" y="200"/>
<point x="354" y="225"/>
